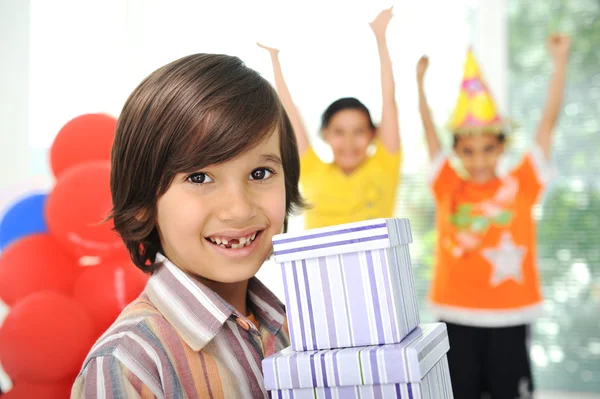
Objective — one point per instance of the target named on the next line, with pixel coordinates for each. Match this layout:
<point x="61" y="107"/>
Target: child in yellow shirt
<point x="355" y="186"/>
<point x="485" y="284"/>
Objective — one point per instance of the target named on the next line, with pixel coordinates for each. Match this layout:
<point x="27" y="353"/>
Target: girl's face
<point x="349" y="135"/>
<point x="218" y="222"/>
<point x="479" y="155"/>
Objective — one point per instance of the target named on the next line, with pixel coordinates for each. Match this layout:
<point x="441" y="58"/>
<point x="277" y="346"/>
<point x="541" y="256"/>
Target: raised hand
<point x="559" y="46"/>
<point x="286" y="99"/>
<point x="422" y="66"/>
<point x="271" y="50"/>
<point x="433" y="142"/>
<point x="381" y="22"/>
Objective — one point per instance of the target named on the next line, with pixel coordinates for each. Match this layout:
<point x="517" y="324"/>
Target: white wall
<point x="67" y="57"/>
<point x="490" y="43"/>
<point x="14" y="91"/>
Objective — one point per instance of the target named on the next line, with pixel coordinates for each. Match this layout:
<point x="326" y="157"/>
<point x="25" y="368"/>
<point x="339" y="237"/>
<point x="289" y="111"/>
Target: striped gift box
<point x="348" y="285"/>
<point x="415" y="368"/>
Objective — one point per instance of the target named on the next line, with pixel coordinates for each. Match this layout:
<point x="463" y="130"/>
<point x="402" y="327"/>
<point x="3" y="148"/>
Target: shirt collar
<point x="197" y="312"/>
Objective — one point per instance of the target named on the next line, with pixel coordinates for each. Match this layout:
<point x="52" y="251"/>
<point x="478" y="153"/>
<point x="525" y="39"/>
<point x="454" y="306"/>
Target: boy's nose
<point x="479" y="161"/>
<point x="236" y="205"/>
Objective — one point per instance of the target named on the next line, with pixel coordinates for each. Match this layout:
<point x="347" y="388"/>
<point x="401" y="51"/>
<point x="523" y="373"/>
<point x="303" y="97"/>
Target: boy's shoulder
<point x="132" y="353"/>
<point x="140" y="325"/>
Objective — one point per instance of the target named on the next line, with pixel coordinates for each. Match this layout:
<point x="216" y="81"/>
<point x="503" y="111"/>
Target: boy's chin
<point x="482" y="178"/>
<point x="348" y="165"/>
<point x="233" y="277"/>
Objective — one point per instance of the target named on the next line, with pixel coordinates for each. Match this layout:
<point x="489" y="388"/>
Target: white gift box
<point x="348" y="285"/>
<point x="416" y="368"/>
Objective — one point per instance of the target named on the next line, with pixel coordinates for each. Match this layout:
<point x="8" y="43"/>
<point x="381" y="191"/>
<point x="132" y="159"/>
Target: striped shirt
<point x="179" y="339"/>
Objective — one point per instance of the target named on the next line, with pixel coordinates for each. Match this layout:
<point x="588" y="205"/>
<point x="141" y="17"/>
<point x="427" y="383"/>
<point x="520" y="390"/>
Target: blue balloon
<point x="23" y="218"/>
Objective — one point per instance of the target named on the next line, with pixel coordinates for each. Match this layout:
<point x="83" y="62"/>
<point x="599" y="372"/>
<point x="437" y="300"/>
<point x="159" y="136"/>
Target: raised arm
<point x="433" y="142"/>
<point x="559" y="47"/>
<point x="389" y="129"/>
<point x="286" y="99"/>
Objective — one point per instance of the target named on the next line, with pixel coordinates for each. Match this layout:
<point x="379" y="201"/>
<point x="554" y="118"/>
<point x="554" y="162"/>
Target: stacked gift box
<point x="353" y="317"/>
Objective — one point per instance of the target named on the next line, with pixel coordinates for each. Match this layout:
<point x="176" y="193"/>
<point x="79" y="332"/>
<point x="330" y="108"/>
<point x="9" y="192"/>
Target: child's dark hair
<point x="501" y="138"/>
<point x="343" y="104"/>
<point x="200" y="110"/>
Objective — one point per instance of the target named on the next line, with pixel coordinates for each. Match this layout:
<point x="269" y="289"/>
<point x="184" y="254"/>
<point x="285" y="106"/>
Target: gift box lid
<point x="335" y="240"/>
<point x="406" y="362"/>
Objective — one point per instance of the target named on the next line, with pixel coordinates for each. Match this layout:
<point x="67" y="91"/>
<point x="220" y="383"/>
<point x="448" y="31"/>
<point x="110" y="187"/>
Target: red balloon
<point x="34" y="263"/>
<point x="46" y="390"/>
<point x="119" y="254"/>
<point x="76" y="208"/>
<point x="104" y="290"/>
<point x="85" y="138"/>
<point x="45" y="337"/>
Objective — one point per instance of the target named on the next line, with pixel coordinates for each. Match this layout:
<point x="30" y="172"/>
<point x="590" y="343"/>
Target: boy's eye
<point x="199" y="178"/>
<point x="261" y="174"/>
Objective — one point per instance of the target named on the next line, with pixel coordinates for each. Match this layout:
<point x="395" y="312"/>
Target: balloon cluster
<point x="64" y="273"/>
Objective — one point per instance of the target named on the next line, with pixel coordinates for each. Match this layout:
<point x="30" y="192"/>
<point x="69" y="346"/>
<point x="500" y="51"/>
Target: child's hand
<point x="271" y="50"/>
<point x="381" y="22"/>
<point x="422" y="66"/>
<point x="559" y="46"/>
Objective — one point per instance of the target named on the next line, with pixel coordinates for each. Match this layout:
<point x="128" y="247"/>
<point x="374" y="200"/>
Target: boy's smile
<point x="217" y="223"/>
<point x="236" y="243"/>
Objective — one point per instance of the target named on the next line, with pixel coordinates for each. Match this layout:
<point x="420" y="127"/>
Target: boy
<point x="485" y="285"/>
<point x="205" y="171"/>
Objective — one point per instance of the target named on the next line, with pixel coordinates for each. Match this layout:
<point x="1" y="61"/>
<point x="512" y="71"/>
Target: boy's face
<point x="479" y="155"/>
<point x="218" y="223"/>
<point x="349" y="135"/>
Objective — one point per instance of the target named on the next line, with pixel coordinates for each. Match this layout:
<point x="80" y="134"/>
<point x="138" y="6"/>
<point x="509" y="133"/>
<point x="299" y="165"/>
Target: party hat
<point x="476" y="111"/>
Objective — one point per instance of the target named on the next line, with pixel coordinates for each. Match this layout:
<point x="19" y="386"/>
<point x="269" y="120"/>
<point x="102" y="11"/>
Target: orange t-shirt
<point x="486" y="270"/>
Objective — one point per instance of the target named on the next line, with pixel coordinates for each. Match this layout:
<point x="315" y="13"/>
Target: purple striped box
<point x="348" y="285"/>
<point x="415" y="368"/>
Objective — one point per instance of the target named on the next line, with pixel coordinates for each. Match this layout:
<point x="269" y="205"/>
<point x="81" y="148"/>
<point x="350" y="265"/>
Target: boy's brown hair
<point x="200" y="110"/>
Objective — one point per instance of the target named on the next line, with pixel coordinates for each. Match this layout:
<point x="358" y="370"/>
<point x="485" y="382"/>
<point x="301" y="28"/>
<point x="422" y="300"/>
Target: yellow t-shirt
<point x="337" y="198"/>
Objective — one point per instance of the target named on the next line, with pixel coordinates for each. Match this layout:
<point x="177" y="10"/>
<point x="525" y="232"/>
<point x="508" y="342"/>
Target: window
<point x="566" y="342"/>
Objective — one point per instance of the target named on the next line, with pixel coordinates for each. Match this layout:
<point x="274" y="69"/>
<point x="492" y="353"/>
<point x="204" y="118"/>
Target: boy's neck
<point x="235" y="294"/>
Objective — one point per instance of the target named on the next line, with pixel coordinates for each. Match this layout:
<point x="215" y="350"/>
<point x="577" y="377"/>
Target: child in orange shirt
<point x="485" y="284"/>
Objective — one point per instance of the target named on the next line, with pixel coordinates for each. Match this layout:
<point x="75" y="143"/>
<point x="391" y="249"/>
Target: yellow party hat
<point x="476" y="111"/>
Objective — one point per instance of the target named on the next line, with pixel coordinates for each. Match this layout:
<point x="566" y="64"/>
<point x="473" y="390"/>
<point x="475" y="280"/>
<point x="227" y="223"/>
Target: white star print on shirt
<point x="506" y="260"/>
